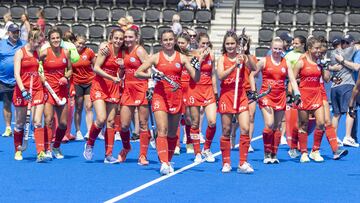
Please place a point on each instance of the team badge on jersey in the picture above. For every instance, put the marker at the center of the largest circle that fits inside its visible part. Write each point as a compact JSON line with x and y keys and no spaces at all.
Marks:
{"x":209,"y":62}
{"x":64,"y":60}
{"x":283,"y":70}
{"x":177,"y":65}
{"x":84,"y":57}
{"x":132,"y":59}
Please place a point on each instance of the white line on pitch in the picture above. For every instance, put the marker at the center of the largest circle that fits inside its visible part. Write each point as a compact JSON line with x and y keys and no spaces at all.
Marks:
{"x":157,"y":180}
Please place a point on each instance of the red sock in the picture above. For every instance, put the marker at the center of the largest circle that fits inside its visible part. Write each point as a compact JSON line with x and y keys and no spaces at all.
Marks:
{"x":294,"y":138}
{"x":162,"y":149}
{"x":303,"y":141}
{"x":39,"y":139}
{"x":117,"y":125}
{"x":188,"y":137}
{"x":194,"y":133}
{"x":225,"y":149}
{"x":109,"y":141}
{"x":60,"y":133}
{"x":48,"y":135}
{"x":331,"y":137}
{"x":93,"y":133}
{"x":244,"y":148}
{"x":210,"y":133}
{"x":125,"y":138}
{"x":318,"y":134}
{"x":276,"y":143}
{"x":18,"y":138}
{"x":178,"y":136}
{"x":268,"y":135}
{"x":144,"y":142}
{"x":70,"y":116}
{"x":171,"y":146}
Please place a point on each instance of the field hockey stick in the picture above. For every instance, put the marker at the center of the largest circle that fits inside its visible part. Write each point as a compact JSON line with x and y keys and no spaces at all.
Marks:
{"x":28,"y":119}
{"x":59,"y":101}
{"x":263,"y":94}
{"x":169,"y":80}
{"x":149,"y":95}
{"x":238,"y":68}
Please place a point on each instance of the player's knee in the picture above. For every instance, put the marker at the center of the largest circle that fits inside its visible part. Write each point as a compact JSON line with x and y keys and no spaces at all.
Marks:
{"x":244,"y":130}
{"x":110,"y":123}
{"x":100,"y":121}
{"x":19,"y":127}
{"x":212,"y":123}
{"x":226,"y":131}
{"x":143,"y":125}
{"x":88,"y":106}
{"x":62,"y":125}
{"x":162,"y":130}
{"x":37,"y":123}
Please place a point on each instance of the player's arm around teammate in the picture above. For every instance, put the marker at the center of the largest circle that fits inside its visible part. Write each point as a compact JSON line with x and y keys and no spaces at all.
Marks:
{"x":311,"y":100}
{"x":226,"y":70}
{"x":202,"y":94}
{"x":166,"y":101}
{"x":134,"y":96}
{"x":105,"y":93}
{"x":57,"y":71}
{"x":275,"y":69}
{"x":26,"y":72}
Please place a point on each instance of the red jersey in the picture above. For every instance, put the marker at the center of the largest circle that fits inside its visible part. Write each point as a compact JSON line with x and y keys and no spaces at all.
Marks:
{"x":275,"y":76}
{"x":164,"y":98}
{"x":103,"y":88}
{"x":309,"y":87}
{"x":54,"y":67}
{"x":246,"y":83}
{"x":229,"y":82}
{"x":82,"y":70}
{"x":134,"y":90}
{"x":205,"y":72}
{"x":30,"y":66}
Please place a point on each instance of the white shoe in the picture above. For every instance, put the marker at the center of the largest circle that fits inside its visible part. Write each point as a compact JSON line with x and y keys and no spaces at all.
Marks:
{"x":315,"y":155}
{"x":117,"y":136}
{"x":57,"y":153}
{"x":48,"y":155}
{"x":164,"y":169}
{"x":208,"y":156}
{"x":110,"y":160}
{"x":79,"y":136}
{"x":349,"y":141}
{"x":177,"y":150}
{"x":101,"y":135}
{"x":202,"y":140}
{"x":267,"y":158}
{"x":226,"y":168}
{"x":339,"y":142}
{"x":251,"y":149}
{"x":293,"y":153}
{"x":189,"y":149}
{"x":274,"y":159}
{"x":245,"y":168}
{"x":304,"y":158}
{"x":88,"y":152}
{"x":198,"y":158}
{"x":283,"y":140}
{"x":86,"y":137}
{"x":171,"y":168}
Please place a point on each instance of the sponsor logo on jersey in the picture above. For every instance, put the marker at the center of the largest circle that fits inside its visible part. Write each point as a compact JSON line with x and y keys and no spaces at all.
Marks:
{"x":177,"y":65}
{"x":132,"y":59}
{"x":137,"y":101}
{"x":312,"y":79}
{"x":173,"y":109}
{"x":97,"y":94}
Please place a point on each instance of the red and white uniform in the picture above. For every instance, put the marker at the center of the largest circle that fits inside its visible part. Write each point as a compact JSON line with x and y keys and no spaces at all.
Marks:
{"x":134,"y":91}
{"x":29,"y":67}
{"x":54,"y":69}
{"x":227,"y":92}
{"x":164,"y":99}
{"x":185,"y":80}
{"x":103,"y":88}
{"x":309,"y":86}
{"x":202,"y":93}
{"x":82,"y":70}
{"x":275,"y":76}
{"x":246,"y":83}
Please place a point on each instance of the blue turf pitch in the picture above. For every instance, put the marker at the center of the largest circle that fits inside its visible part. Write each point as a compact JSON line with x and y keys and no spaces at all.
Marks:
{"x":75,"y":180}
